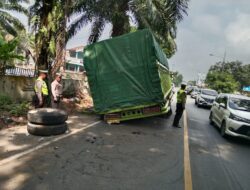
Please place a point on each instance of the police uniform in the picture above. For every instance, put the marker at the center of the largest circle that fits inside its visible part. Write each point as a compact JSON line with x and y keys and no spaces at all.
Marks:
{"x":180,"y":106}
{"x":42,"y":93}
{"x":56,"y":92}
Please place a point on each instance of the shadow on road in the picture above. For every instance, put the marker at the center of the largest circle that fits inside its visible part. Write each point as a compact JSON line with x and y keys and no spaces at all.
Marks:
{"x":139,"y":154}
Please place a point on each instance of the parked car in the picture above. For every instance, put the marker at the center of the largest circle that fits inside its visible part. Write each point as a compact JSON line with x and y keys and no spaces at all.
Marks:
{"x":195,"y":91}
{"x":205,"y":97}
{"x":231,"y":113}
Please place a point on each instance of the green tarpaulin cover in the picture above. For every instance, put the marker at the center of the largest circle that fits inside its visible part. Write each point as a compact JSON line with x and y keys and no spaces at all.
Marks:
{"x":123,"y":72}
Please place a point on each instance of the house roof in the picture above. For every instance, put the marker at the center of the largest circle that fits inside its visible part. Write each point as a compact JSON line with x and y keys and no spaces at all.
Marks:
{"x":78,"y":48}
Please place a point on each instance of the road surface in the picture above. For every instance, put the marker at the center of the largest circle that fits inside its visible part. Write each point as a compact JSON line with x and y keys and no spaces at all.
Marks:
{"x":146,"y":154}
{"x":216,"y":163}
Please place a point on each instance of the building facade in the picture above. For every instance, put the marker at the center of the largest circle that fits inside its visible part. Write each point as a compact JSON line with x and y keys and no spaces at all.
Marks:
{"x":74,"y":59}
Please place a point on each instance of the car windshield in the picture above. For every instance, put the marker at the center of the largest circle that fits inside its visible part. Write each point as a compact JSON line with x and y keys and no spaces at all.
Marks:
{"x":195,"y":89}
{"x":209,"y":92}
{"x":239,"y":104}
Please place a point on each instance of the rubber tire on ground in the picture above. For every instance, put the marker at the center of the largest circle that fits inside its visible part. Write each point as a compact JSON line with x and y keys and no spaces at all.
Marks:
{"x":46,"y":130}
{"x":47,"y":116}
{"x":223,"y":129}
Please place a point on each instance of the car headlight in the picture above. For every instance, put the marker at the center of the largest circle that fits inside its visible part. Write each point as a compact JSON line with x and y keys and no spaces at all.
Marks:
{"x":202,"y":99}
{"x":237,"y":118}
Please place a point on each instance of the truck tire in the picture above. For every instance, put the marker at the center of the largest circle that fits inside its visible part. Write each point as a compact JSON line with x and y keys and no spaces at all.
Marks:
{"x":47,"y":116}
{"x":46,"y":130}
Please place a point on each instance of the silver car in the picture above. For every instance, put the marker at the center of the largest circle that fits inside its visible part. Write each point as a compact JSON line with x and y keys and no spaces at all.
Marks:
{"x":205,"y":97}
{"x":231,"y":113}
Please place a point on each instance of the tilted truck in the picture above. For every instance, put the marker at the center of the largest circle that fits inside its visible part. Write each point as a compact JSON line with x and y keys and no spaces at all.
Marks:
{"x":129,"y":77}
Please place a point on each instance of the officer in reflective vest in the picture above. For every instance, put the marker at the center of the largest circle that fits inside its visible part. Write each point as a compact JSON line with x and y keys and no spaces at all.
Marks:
{"x":180,"y":106}
{"x":41,"y":90}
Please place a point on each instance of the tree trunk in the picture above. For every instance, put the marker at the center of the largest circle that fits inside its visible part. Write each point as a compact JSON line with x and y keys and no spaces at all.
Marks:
{"x":120,"y":20}
{"x":60,"y":48}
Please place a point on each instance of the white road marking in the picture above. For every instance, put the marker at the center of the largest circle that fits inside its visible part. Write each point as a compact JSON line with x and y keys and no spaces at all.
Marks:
{"x":24,"y":153}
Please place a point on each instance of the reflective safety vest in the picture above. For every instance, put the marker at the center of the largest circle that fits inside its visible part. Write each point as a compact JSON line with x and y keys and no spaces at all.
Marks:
{"x":45,"y":90}
{"x":181,"y":96}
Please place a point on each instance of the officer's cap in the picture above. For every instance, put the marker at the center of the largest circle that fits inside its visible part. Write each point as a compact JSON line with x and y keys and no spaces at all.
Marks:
{"x":43,"y":71}
{"x":58,"y":74}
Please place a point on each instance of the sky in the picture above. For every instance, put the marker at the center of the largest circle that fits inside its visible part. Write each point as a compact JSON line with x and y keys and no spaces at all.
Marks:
{"x":211,"y":27}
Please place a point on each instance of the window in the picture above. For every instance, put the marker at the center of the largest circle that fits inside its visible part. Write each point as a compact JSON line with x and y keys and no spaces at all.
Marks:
{"x":72,"y":54}
{"x":224,"y":100}
{"x":80,"y":55}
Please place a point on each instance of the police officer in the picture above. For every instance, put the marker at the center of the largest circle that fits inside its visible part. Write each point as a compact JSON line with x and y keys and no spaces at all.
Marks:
{"x":56,"y":91}
{"x":41,"y":90}
{"x":180,"y":106}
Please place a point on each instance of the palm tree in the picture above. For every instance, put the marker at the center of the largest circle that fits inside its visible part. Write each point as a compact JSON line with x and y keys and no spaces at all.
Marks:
{"x":45,"y":20}
{"x":48,"y":21}
{"x":8,"y":23}
{"x":161,"y":16}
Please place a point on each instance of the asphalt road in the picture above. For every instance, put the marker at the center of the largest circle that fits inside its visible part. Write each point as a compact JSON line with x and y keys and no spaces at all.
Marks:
{"x":143,"y":154}
{"x":216,"y":163}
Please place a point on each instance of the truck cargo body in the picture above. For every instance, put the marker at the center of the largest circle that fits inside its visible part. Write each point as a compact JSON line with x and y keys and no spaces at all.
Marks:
{"x":128,"y":76}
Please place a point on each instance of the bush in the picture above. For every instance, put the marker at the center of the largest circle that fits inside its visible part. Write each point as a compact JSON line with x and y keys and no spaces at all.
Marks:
{"x":4,"y":100}
{"x":7,"y":105}
{"x":19,"y":109}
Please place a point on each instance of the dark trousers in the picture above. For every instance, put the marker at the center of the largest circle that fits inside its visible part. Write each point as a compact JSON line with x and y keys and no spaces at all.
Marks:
{"x":55,"y":104}
{"x":35,"y":102}
{"x":178,"y":115}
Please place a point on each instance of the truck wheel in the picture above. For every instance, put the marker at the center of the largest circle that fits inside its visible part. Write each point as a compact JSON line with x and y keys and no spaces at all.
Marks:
{"x":46,"y":130}
{"x":47,"y":116}
{"x":198,"y":105}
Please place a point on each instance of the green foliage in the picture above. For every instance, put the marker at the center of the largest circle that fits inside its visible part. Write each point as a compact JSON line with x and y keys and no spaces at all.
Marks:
{"x":244,"y":77}
{"x":8,"y":23}
{"x":19,"y":109}
{"x":7,"y":50}
{"x":133,"y":29}
{"x":8,"y":54}
{"x":4,"y":100}
{"x":222,"y":82}
{"x":177,"y":78}
{"x":240,"y":72}
{"x":160,"y":16}
{"x":7,"y":105}
{"x":48,"y":20}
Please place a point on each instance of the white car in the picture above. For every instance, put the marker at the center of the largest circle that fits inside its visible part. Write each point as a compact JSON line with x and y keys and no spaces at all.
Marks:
{"x":205,"y":97}
{"x":194,"y":92}
{"x":231,"y":113}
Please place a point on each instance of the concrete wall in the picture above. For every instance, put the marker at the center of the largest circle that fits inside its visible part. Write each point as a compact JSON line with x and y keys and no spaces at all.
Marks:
{"x":17,"y":87}
{"x":21,"y":88}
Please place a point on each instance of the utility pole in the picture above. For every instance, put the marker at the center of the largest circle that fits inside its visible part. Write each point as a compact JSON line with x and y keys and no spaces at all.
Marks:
{"x":223,"y":59}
